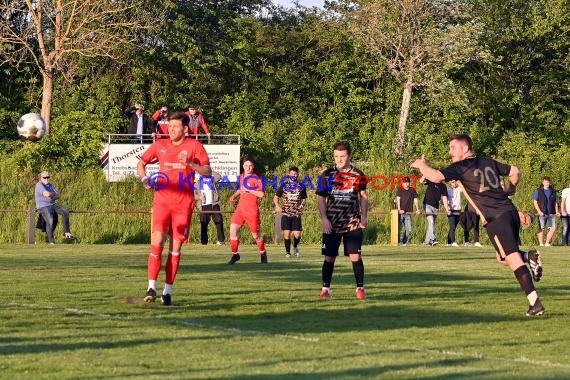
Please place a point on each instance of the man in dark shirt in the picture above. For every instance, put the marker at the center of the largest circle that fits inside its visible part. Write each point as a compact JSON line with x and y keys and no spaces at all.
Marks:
{"x":406,"y":199}
{"x":435,"y":193}
{"x":479,"y":179}
{"x":343,"y":207}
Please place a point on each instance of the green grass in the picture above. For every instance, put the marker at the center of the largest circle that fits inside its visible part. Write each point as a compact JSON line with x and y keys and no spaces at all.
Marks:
{"x":76,"y":311}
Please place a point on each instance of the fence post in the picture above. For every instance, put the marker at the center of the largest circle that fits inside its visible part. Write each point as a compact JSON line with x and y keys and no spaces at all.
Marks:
{"x":277,"y":228}
{"x":31,"y":226}
{"x":394,"y":228}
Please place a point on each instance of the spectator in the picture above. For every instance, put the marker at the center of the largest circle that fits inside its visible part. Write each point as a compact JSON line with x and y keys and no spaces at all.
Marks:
{"x":406,"y":200}
{"x":565,"y":212}
{"x":210,"y":207}
{"x":545,"y":202}
{"x":197,"y":121}
{"x":453,"y":212}
{"x":435,"y":193}
{"x":160,"y":118}
{"x":139,"y":123}
{"x":46,"y":196}
{"x":469,"y":220}
{"x":294,"y":198}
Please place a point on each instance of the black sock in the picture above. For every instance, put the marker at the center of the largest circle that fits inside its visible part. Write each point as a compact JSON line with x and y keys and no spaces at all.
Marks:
{"x":287,"y":245}
{"x":328,"y":268}
{"x":358,"y":268}
{"x":296,"y":241}
{"x":525,"y":280}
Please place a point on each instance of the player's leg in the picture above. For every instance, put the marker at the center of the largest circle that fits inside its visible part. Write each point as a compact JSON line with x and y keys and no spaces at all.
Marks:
{"x":331,"y":244}
{"x":237,"y":222}
{"x":253,"y":221}
{"x":181,"y":221}
{"x":565,"y":230}
{"x":503,"y":233}
{"x":297,"y":227}
{"x":286,"y":228}
{"x":352,"y":248}
{"x":160,"y":227}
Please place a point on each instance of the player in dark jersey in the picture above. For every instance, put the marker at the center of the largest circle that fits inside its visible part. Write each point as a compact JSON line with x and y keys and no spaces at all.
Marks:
{"x":294,"y":198}
{"x":343,"y":207}
{"x":479,"y":179}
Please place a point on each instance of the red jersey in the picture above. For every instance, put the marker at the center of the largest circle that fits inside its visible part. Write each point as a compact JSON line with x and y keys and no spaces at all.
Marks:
{"x":247,"y":201}
{"x":174,"y":186}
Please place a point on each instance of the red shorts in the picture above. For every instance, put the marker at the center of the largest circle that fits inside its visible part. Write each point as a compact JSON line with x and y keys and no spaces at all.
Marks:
{"x":173,"y":220}
{"x":250,"y":218}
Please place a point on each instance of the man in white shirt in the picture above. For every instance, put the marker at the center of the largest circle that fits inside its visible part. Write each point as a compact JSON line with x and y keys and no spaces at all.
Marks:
{"x":453,"y":212}
{"x":210,"y":208}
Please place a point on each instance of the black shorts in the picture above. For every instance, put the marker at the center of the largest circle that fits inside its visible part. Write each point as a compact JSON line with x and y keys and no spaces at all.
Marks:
{"x":291,"y":223}
{"x":352,"y":242}
{"x":503,"y":233}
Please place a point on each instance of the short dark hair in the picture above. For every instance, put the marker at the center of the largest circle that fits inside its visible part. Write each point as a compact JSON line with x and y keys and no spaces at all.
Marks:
{"x":343,"y":145}
{"x":465,"y":138}
{"x":179,"y":116}
{"x":248,"y":158}
{"x":294,"y":168}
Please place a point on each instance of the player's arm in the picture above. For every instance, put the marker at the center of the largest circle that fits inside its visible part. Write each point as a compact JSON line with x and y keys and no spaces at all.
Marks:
{"x":399,"y":206}
{"x":417,"y":205}
{"x":445,"y":202}
{"x":514,"y":177}
{"x":276,"y":203}
{"x":322,"y":205}
{"x":563,"y":206}
{"x":363,"y":200}
{"x":427,"y":171}
{"x":258,"y":193}
{"x":534,"y":201}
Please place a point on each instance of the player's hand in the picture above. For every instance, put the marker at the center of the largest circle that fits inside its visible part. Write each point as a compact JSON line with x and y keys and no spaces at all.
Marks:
{"x":401,"y":212}
{"x":278,"y":209}
{"x":418,"y":163}
{"x":363,"y":222}
{"x":327,"y":226}
{"x":418,"y":212}
{"x":183,"y":157}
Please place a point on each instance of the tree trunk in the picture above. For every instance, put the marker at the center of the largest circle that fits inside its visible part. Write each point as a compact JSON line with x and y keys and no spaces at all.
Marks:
{"x":47,"y":97}
{"x":406,"y":98}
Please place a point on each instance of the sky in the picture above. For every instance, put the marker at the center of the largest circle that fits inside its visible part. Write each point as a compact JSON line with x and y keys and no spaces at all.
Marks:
{"x":306,"y":3}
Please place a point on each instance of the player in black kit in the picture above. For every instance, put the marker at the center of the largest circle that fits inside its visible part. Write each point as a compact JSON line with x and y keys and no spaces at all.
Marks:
{"x":479,"y":179}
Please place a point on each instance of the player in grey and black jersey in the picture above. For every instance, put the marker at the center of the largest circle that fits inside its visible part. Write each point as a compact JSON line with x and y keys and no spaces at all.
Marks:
{"x":343,"y":207}
{"x":479,"y":179}
{"x":294,"y":197}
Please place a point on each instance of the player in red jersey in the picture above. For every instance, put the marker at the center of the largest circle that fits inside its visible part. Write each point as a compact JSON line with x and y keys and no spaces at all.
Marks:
{"x":250,"y":191}
{"x":179,"y":157}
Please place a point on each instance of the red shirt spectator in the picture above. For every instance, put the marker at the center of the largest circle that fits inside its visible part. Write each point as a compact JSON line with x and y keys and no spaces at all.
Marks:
{"x":196,"y":122}
{"x":160,"y":117}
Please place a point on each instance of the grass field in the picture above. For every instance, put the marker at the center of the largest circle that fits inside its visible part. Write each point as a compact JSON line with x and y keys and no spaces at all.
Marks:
{"x":76,"y":311}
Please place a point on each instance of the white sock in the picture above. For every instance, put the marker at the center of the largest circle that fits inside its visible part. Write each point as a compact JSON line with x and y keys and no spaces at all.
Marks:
{"x":152,"y":284}
{"x":532,"y":297}
{"x":167,"y":289}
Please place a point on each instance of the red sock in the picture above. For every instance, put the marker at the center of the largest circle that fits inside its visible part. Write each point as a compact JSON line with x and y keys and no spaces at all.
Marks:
{"x":261,"y":245}
{"x":172,"y":264}
{"x":234,"y":244}
{"x":154,"y":262}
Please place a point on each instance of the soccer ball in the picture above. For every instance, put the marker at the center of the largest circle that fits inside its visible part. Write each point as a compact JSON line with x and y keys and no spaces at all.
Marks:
{"x":31,"y":127}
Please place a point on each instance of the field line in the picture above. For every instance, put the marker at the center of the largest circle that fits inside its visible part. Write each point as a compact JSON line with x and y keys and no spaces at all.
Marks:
{"x":237,"y":331}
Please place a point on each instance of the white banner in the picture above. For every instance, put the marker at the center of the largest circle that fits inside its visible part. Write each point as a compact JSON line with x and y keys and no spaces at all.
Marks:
{"x":119,"y":161}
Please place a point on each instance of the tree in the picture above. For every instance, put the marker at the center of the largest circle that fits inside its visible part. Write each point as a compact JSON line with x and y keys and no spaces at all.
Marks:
{"x":52,"y":34}
{"x":418,"y":40}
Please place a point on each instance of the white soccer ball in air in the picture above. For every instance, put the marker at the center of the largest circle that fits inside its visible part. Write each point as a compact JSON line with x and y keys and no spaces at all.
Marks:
{"x":31,"y":127}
